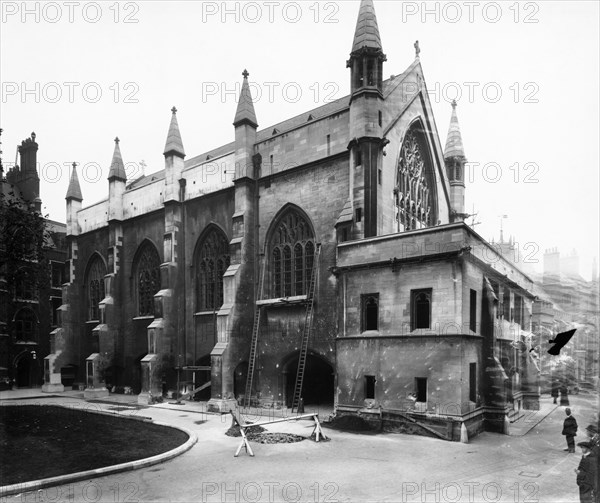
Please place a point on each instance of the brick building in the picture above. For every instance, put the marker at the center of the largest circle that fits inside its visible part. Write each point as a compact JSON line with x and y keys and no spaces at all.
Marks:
{"x":28,"y":304}
{"x":324,"y":257}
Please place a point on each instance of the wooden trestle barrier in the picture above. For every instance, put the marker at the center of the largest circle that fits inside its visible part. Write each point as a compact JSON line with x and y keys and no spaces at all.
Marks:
{"x":317,"y":431}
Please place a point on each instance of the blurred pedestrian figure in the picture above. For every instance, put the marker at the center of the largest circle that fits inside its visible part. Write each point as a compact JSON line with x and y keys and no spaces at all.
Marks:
{"x":586,"y":474}
{"x":564,"y":396}
{"x":555,"y":387}
{"x":592,"y":432}
{"x":570,"y":430}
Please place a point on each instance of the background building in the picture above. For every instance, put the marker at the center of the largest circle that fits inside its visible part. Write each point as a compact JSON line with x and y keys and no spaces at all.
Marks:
{"x":32,"y":254}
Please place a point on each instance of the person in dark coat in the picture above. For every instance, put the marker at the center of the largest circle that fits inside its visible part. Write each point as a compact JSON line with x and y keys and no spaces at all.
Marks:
{"x":564,"y":396}
{"x":554,"y":391}
{"x":570,"y":430}
{"x":594,"y":439}
{"x":587,"y":474}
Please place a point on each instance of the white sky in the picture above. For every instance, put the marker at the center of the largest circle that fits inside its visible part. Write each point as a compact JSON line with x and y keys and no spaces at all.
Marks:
{"x":546,"y":119}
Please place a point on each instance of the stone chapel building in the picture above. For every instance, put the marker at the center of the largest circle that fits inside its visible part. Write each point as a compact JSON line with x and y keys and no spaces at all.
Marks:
{"x":325,"y":257}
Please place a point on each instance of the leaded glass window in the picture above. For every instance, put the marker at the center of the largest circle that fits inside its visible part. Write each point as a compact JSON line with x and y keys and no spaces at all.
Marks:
{"x":292,"y":251}
{"x":212,"y":261}
{"x":148,"y":279}
{"x":95,"y":286}
{"x":413,"y":195}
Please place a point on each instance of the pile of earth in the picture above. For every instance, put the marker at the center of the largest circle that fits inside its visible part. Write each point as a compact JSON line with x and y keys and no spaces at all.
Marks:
{"x":349,"y":423}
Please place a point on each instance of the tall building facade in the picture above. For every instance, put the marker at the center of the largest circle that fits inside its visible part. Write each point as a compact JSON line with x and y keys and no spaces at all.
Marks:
{"x":30,"y":247}
{"x":325,"y":257}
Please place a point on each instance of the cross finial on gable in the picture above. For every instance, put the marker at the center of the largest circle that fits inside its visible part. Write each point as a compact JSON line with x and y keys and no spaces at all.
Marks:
{"x":245,"y":74}
{"x":174,"y":110}
{"x":417,"y":48}
{"x":117,"y":139}
{"x":453,"y":103}
{"x":74,"y":165}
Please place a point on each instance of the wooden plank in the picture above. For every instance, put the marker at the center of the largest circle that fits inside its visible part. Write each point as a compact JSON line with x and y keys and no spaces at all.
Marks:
{"x":282,"y":420}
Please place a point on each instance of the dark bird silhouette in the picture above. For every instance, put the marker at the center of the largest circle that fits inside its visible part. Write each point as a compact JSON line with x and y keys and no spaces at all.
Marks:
{"x":560,"y":341}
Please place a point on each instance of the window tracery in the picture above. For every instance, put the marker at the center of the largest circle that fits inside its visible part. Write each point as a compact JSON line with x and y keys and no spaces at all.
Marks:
{"x":212,"y":261}
{"x":292,"y":251}
{"x":148,"y":279}
{"x":413,"y":191}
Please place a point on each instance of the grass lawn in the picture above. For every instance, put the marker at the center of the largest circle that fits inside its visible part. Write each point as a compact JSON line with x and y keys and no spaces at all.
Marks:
{"x":39,"y":441}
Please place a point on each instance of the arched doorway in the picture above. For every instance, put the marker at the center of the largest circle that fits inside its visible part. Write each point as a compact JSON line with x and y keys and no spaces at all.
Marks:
{"x":23,"y":370}
{"x":318,"y":385}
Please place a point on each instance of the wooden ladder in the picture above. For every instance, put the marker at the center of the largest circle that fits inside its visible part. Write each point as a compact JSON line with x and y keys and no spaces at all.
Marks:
{"x":254,"y":342}
{"x":308,"y":318}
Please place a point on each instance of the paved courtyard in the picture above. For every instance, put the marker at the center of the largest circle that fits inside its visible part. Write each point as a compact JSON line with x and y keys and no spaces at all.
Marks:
{"x":526,"y":467}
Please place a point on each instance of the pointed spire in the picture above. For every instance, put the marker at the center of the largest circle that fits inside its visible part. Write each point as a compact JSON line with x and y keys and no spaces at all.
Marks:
{"x":174,"y":144}
{"x":454,"y":144}
{"x":74,"y":190}
{"x":117,"y":168}
{"x":367,"y":31}
{"x":245,"y":109}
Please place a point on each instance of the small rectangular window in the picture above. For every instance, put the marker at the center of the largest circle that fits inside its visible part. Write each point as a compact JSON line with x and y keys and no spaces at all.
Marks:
{"x":380,"y":118}
{"x":473,"y":382}
{"x":328,"y":145}
{"x":56,"y":303}
{"x":379,"y":175}
{"x":358,"y":214}
{"x":473,"y":311}
{"x":344,"y":234}
{"x":369,"y":312}
{"x":57,"y":270}
{"x":421,"y":389}
{"x":506,"y":303}
{"x":420,"y":308}
{"x":369,"y":387}
{"x":357,"y":156}
{"x":271,"y":162}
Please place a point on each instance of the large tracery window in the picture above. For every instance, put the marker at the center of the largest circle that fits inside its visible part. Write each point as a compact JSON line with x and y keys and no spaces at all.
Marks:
{"x":95,"y":286}
{"x":414,"y":209}
{"x":148,"y":279}
{"x":212,"y":261}
{"x":292,"y":252}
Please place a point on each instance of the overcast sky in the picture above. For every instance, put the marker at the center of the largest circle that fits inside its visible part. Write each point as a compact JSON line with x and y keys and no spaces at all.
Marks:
{"x":81,"y":73}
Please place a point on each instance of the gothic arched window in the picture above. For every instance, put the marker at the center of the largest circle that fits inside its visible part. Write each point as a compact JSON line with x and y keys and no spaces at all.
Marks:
{"x":292,"y":251}
{"x":212,"y":260}
{"x":94,"y":285}
{"x":147,"y":275}
{"x":413,"y":192}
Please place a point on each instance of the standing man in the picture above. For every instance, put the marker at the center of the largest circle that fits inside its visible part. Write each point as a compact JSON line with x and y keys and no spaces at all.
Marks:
{"x":586,"y":474}
{"x":570,"y":430}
